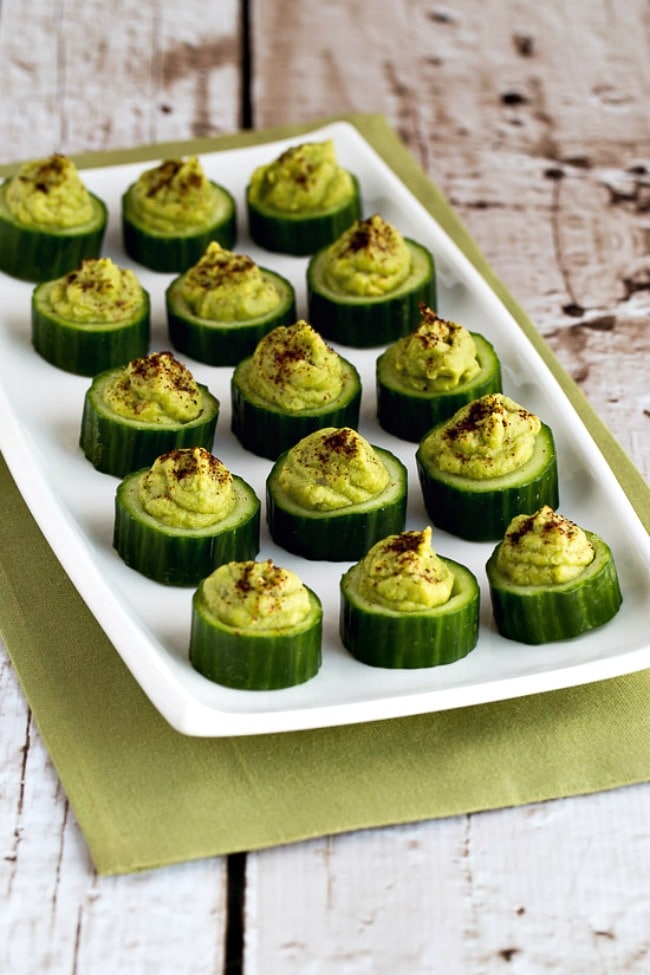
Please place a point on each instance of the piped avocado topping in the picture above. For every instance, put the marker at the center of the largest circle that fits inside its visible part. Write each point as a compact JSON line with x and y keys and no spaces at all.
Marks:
{"x":49,"y":193}
{"x":256,"y":596}
{"x":437,"y":355}
{"x":96,"y":291}
{"x":188,"y":488}
{"x":332,"y":468}
{"x":403,"y":573}
{"x":224,"y":286}
{"x":488,"y":437}
{"x":371,"y":258}
{"x":155,"y":389}
{"x":175,"y":195}
{"x":543,"y":549}
{"x":304,"y":178}
{"x":295,"y":369}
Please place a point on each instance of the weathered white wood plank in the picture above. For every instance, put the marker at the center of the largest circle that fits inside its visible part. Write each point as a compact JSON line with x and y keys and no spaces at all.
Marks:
{"x":93,"y":76}
{"x":551,"y":887}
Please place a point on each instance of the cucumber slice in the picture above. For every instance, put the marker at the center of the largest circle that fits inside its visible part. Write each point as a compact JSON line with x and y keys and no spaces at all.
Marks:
{"x":37,"y":255}
{"x":225,"y":343}
{"x":361,"y":321}
{"x":541,"y":614}
{"x":119,"y":445}
{"x":300,"y":234}
{"x":181,"y":556}
{"x":385,"y":638}
{"x":87,"y":348}
{"x":250,"y":660}
{"x":175,"y":252}
{"x":341,"y":535}
{"x":267,"y":431}
{"x":481,"y":510}
{"x":409,"y":414}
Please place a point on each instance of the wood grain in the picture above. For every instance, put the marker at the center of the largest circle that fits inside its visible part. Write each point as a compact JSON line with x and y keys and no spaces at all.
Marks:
{"x":533,"y":119}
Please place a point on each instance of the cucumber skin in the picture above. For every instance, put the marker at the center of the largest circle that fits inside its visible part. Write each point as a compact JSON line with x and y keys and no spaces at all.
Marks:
{"x":301,"y":234}
{"x":116,"y":446}
{"x":484,"y":514}
{"x":368,"y":323}
{"x":88,"y":350}
{"x":380,"y":638}
{"x":268,"y":432}
{"x":180,"y":558}
{"x":39,"y":255}
{"x":222,"y":344}
{"x":175,"y":254}
{"x":410,"y":416}
{"x":257,"y":662}
{"x":335,"y":536}
{"x":535,"y":615}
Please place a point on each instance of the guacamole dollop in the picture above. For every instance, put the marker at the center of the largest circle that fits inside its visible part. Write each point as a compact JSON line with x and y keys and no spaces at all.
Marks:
{"x":95,"y":292}
{"x":332,"y":468}
{"x":293,"y":368}
{"x":488,"y":437}
{"x":155,"y":389}
{"x":256,"y":596}
{"x":543,"y":549}
{"x":438,"y":355}
{"x":369,"y":259}
{"x":188,"y":488}
{"x":227,"y":287}
{"x":49,"y":193}
{"x":403,"y":573}
{"x":175,"y":196}
{"x":303,"y":179}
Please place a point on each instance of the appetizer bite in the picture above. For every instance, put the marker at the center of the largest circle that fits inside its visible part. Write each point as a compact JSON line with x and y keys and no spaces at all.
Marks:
{"x":256,"y":626}
{"x":333,"y":495}
{"x":302,"y":200}
{"x":490,"y":461}
{"x":172,"y":212}
{"x":550,"y":579}
{"x":49,"y":221}
{"x":424,"y":377}
{"x":219,"y":309}
{"x":94,"y":317}
{"x":134,"y":413}
{"x":404,"y":606}
{"x":365,"y":289}
{"x":293,"y":384}
{"x":181,"y":518}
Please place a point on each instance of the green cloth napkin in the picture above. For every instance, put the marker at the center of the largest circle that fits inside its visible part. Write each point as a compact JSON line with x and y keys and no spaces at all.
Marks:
{"x":146,"y":796}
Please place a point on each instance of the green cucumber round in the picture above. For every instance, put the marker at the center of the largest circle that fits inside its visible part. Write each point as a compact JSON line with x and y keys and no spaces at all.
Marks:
{"x":300,"y":234}
{"x":255,"y":660}
{"x":481,"y":510}
{"x":87,"y":348}
{"x":34,"y":254}
{"x":410,"y":414}
{"x":225,"y":343}
{"x":341,"y":535}
{"x":267,"y":431}
{"x":119,"y":445}
{"x":542,"y":614}
{"x":182,"y":556}
{"x":176,"y":252}
{"x":364,"y":322}
{"x":382,"y":637}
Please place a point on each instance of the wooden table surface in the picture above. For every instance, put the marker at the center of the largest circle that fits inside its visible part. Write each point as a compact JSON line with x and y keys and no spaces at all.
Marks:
{"x":535,"y":121}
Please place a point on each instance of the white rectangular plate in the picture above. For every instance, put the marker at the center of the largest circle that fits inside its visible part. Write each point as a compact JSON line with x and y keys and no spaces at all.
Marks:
{"x":40,"y":412}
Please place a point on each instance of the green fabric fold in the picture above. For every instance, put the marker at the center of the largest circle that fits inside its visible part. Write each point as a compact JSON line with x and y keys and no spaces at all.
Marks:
{"x":146,"y":796}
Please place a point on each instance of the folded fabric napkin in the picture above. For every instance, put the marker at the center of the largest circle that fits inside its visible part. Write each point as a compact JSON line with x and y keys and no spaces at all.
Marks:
{"x":145,"y":795}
